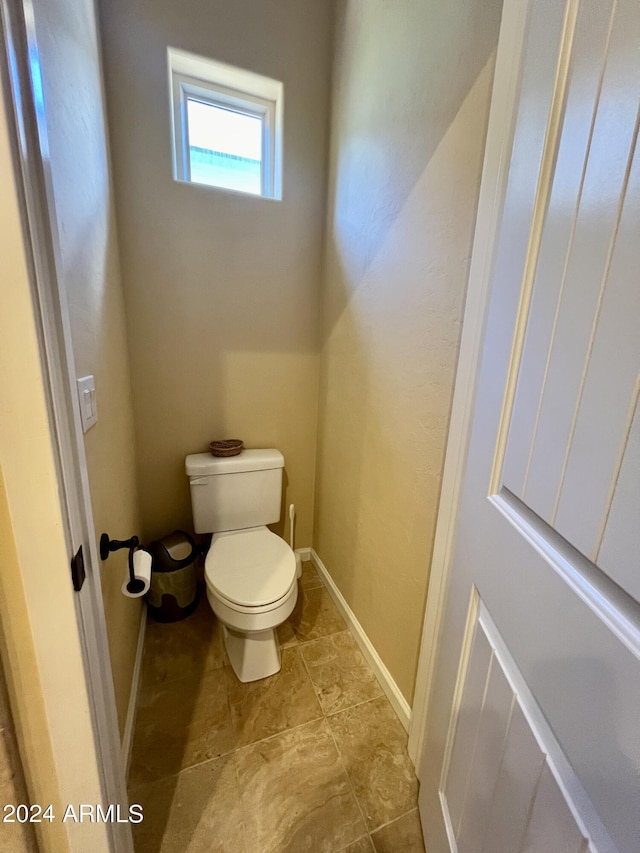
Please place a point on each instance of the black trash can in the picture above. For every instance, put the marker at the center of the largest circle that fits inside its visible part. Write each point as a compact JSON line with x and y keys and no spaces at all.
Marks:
{"x":173,"y":593}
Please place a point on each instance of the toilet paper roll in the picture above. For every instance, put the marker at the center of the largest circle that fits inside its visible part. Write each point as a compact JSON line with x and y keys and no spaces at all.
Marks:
{"x":142,"y":572}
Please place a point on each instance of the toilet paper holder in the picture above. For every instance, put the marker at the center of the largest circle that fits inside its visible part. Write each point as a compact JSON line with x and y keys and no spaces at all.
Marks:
{"x":108,"y":546}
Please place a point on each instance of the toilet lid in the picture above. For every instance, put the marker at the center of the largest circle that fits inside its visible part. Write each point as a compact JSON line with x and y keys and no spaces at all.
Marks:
{"x":250,"y":567}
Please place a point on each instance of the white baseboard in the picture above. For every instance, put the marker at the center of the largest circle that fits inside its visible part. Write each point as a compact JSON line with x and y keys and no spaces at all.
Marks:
{"x":305,"y":554}
{"x":391,"y":689}
{"x":127,"y":736}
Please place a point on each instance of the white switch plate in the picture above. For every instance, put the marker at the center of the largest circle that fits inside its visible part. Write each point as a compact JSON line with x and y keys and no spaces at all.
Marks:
{"x":88,"y":402}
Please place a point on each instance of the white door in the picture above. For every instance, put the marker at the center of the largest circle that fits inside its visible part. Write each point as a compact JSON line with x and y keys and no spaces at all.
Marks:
{"x":23,"y":29}
{"x":533,"y":731}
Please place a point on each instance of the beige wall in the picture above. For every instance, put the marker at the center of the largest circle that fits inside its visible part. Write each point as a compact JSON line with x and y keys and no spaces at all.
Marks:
{"x":221,"y":289}
{"x":15,"y":837}
{"x":81,"y":181}
{"x":411,"y":89}
{"x":21,"y":671}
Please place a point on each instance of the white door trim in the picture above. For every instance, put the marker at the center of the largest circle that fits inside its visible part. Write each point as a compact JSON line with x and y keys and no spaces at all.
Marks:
{"x":504,"y":102}
{"x":29,"y":143}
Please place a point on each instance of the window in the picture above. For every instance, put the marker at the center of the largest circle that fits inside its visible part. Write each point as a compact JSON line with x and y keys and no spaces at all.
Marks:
{"x":227,"y":126}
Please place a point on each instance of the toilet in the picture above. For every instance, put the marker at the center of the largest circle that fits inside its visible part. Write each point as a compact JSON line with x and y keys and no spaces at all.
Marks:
{"x":250,"y":572}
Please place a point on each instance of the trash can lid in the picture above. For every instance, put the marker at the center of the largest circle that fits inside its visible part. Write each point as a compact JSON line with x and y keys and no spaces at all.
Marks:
{"x":173,"y":551}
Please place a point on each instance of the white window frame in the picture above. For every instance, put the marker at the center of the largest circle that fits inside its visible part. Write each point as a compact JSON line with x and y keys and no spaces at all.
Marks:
{"x":225,"y":86}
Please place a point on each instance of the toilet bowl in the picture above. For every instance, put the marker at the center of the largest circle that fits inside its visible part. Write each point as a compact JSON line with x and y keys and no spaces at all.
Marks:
{"x":250,"y":572}
{"x":252,"y":588}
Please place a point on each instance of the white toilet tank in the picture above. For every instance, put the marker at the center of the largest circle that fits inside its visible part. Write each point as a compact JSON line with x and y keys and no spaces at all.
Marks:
{"x":235,"y":492}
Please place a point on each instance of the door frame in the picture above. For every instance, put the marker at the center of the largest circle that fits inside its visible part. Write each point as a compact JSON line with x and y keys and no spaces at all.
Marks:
{"x":26,"y":124}
{"x":502,"y":117}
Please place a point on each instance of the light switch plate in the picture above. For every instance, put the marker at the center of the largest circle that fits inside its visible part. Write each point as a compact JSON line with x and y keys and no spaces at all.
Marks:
{"x":88,"y":402}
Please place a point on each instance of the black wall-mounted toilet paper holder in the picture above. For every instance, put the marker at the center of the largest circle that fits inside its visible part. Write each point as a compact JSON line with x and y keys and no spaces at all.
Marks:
{"x":107,"y":546}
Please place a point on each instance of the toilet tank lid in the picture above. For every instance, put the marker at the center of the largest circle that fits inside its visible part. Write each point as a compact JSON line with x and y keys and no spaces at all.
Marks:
{"x":205,"y":464}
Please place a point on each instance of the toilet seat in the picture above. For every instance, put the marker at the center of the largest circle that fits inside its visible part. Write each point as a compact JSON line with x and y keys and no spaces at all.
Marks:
{"x":251,"y":570}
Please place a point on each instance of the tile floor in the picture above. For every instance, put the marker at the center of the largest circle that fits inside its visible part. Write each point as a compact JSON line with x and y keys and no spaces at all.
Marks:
{"x":311,"y":760}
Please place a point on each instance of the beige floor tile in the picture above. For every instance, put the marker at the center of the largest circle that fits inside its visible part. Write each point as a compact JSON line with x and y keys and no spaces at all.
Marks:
{"x":362,"y":845}
{"x":181,"y":723}
{"x":177,"y":649}
{"x":296,"y":795}
{"x":310,"y":578}
{"x":286,"y":635}
{"x":403,"y":834}
{"x":260,"y":709}
{"x":339,"y":673}
{"x":373,"y":746}
{"x":198,"y":810}
{"x":315,"y":615}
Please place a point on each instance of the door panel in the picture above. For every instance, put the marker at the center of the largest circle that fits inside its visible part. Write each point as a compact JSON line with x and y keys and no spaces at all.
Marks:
{"x":455,"y":779}
{"x":515,"y":787}
{"x":608,"y":394}
{"x":546,"y":532}
{"x":552,"y":826}
{"x":493,"y":725}
{"x":505,"y":796}
{"x":619,"y":554}
{"x":578,"y":369}
{"x":583,"y":90}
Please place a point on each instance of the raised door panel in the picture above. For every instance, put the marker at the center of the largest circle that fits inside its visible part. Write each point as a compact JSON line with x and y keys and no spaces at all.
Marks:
{"x":515,"y":788}
{"x":608,"y":396}
{"x":498,"y":785}
{"x":591,"y":37}
{"x":552,"y":826}
{"x":472,"y":701}
{"x":620,"y":551}
{"x":578,"y":367}
{"x":493,"y":726}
